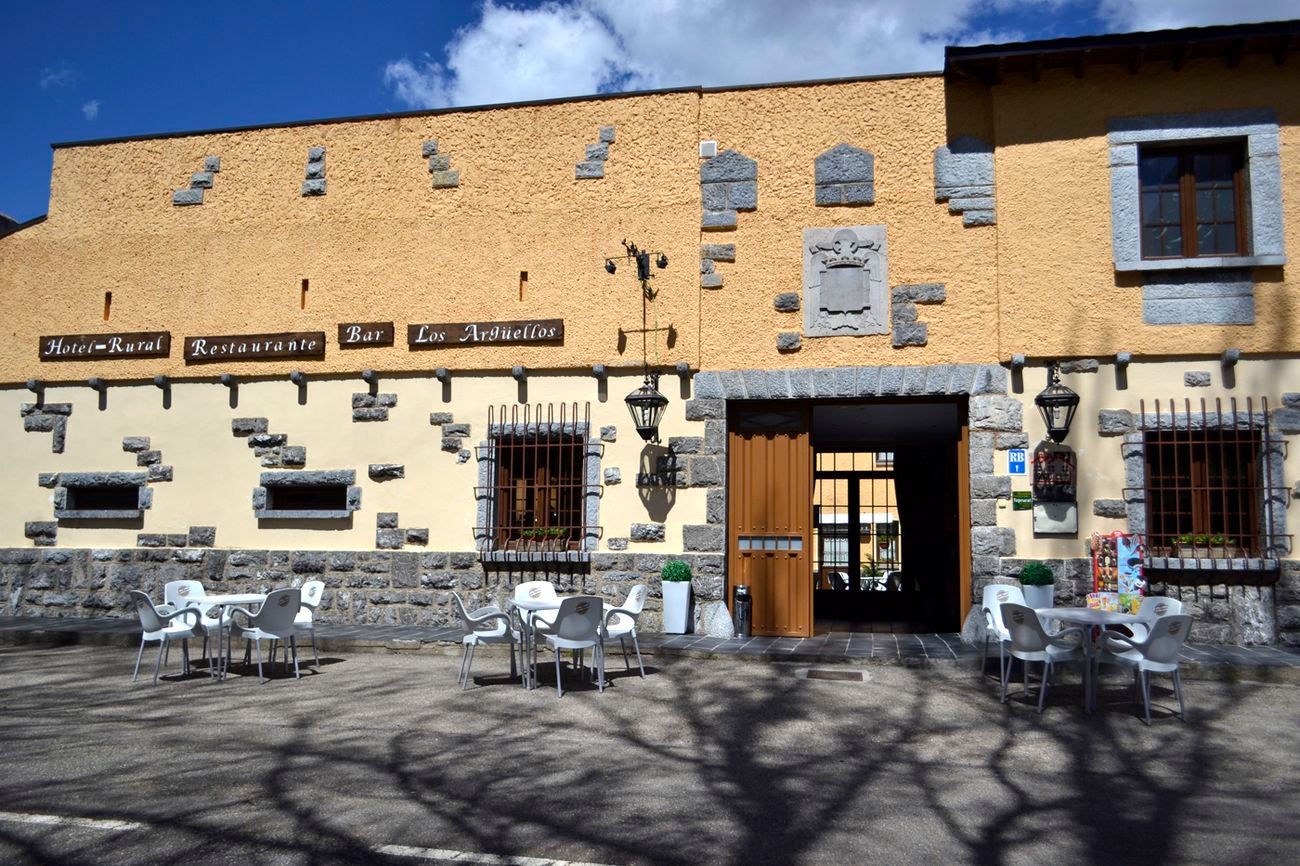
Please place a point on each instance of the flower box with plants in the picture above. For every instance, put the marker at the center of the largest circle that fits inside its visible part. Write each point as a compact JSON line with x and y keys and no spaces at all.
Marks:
{"x":1197,"y":545}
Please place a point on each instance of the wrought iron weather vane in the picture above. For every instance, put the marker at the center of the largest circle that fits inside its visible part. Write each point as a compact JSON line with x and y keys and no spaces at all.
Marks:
{"x":645,"y":404}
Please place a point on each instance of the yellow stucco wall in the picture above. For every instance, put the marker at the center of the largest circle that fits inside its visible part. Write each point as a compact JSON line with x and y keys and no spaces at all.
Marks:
{"x":214,"y":472}
{"x":1059,"y":294}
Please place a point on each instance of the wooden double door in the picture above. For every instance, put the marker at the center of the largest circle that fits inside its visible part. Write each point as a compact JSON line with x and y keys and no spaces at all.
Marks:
{"x":769,"y":515}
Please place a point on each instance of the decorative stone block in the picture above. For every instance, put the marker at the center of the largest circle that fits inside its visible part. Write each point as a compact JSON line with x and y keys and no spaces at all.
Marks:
{"x":148,"y":458}
{"x":910,"y":334}
{"x":598,"y":152}
{"x":417,"y":536}
{"x":293,"y":455}
{"x":609,"y":433}
{"x":439,"y":162}
{"x":386,"y":471}
{"x":992,"y":412}
{"x":1115,"y":422}
{"x":389,"y":539}
{"x":150,"y":539}
{"x":201,"y":180}
{"x":710,"y":281}
{"x":1211,"y":297}
{"x":1109,"y":508}
{"x":707,"y":537}
{"x":455,"y":430}
{"x":1286,"y":421}
{"x":248,"y":426}
{"x":590,"y":170}
{"x":377,"y":414}
{"x":607,"y":134}
{"x":718,"y":252}
{"x":725,"y":219}
{"x":613,"y":476}
{"x":183,"y":197}
{"x":1082,"y":365}
{"x":135,"y":444}
{"x":1198,"y":379}
{"x":844,"y":175}
{"x":449,"y":444}
{"x":463,"y":455}
{"x":386,"y":520}
{"x":47,"y":479}
{"x":446,"y":179}
{"x":212,"y":164}
{"x":963,"y":177}
{"x":159,"y":473}
{"x":202,"y":536}
{"x":313,"y":186}
{"x":439,"y":418}
{"x":429,"y":148}
{"x":919,"y":293}
{"x":267,"y":440}
{"x":1291,"y":400}
{"x":786,"y":302}
{"x":788,"y":341}
{"x":616,"y":543}
{"x":43,"y":533}
{"x":647,"y":532}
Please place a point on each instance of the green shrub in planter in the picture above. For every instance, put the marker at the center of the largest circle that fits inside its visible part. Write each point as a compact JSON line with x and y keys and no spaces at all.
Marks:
{"x":675,"y":571}
{"x":1036,"y":574}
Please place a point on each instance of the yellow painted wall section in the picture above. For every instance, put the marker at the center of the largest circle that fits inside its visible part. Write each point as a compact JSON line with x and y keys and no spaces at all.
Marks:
{"x":901,"y":122}
{"x":214,"y":472}
{"x":1101,"y":467}
{"x":1058,"y":289}
{"x":381,"y":245}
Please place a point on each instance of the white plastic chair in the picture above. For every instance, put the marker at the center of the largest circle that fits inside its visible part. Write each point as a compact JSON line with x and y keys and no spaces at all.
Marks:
{"x":1152,"y":608}
{"x":996,"y":595}
{"x":274,"y":622}
{"x":535,"y":590}
{"x":158,"y":625}
{"x":1030,"y":642}
{"x":483,"y":626}
{"x":304,"y":620}
{"x":620,"y":622}
{"x":1158,"y":653}
{"x":577,"y":627}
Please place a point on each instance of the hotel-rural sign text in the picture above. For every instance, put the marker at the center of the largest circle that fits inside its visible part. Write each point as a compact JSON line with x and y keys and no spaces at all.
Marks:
{"x":84,"y":347}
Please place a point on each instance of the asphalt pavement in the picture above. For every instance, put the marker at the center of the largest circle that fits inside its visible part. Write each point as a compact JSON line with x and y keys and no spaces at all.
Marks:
{"x":379,"y":758}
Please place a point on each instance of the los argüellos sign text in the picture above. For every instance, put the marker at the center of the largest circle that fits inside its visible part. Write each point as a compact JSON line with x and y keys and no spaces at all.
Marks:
{"x":434,"y":335}
{"x":84,"y":347}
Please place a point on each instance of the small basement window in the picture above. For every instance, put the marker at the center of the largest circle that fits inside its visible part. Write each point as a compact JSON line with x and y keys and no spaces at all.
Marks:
{"x":307,"y":497}
{"x":101,"y":496}
{"x":313,"y":495}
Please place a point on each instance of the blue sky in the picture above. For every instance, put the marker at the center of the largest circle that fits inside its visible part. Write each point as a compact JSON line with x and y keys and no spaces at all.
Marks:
{"x":79,"y":70}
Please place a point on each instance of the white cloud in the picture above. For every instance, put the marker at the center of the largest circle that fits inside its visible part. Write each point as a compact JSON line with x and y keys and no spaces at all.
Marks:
{"x":56,"y":76}
{"x":90,"y":109}
{"x":1148,"y":15}
{"x":575,"y":47}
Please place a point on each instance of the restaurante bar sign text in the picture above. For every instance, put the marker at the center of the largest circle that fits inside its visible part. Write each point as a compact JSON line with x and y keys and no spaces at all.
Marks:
{"x":429,"y":336}
{"x":82,"y":347}
{"x":255,"y":347}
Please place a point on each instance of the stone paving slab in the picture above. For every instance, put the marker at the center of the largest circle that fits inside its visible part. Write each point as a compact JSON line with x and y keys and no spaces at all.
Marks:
{"x":841,"y":647}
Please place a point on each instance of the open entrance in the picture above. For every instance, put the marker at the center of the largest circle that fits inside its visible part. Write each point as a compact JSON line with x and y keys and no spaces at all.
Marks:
{"x":889,"y":537}
{"x":850,"y":516}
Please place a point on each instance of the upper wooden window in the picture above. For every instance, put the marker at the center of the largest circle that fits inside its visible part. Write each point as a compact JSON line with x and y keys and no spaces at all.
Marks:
{"x":1192,"y":201}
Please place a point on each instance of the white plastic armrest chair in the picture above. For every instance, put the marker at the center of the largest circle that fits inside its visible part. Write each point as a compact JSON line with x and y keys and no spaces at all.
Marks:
{"x":1030,"y":642}
{"x":1152,"y":608}
{"x":160,"y":626}
{"x":620,"y":622}
{"x":1158,"y":653}
{"x":305,"y":619}
{"x":484,"y":626}
{"x":996,"y":595}
{"x":577,"y":627}
{"x":273,"y":621}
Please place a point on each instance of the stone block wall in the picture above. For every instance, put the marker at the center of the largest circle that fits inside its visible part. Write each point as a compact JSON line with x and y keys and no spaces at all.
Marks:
{"x":361,"y":587}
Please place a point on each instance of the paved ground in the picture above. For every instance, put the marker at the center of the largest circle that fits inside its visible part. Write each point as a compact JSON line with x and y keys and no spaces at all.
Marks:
{"x":377,"y":758}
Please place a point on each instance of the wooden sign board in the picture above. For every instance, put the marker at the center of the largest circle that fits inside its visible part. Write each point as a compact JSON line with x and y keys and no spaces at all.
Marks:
{"x":435,"y":335}
{"x":86,"y":347}
{"x":256,"y":347}
{"x":356,"y":335}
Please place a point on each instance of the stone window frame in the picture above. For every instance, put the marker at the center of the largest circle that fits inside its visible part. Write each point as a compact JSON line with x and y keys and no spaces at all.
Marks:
{"x":1257,"y":128}
{"x":1273,"y":508}
{"x":67,"y":480}
{"x":299,"y":478}
{"x":593,"y":488}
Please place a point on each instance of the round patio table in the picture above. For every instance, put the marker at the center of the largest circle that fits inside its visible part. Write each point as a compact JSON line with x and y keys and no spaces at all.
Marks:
{"x":1093,"y":621}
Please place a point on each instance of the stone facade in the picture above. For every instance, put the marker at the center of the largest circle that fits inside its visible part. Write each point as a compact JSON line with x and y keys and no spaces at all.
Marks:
{"x":368,"y":587}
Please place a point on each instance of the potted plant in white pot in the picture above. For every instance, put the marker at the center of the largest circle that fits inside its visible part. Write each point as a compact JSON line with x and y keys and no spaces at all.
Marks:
{"x":676,"y":578}
{"x":1038,"y":583}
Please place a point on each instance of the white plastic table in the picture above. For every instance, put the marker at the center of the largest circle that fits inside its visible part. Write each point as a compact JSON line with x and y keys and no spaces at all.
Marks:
{"x":528,"y":607}
{"x":222,"y":601}
{"x":1092,"y":620}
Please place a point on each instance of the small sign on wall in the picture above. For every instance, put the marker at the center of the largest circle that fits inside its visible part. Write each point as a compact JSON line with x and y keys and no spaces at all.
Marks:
{"x":355,"y":335}
{"x":433,"y":335}
{"x":256,"y":347}
{"x":85,"y":347}
{"x":1021,"y":500}
{"x":1016,"y":461}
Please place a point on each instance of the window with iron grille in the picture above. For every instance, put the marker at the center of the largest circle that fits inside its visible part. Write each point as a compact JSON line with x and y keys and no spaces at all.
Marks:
{"x":536,"y":493}
{"x":1208,"y":482}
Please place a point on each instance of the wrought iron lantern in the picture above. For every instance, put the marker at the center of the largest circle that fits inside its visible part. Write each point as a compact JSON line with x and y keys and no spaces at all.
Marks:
{"x":1056,"y":403}
{"x":647,"y":407}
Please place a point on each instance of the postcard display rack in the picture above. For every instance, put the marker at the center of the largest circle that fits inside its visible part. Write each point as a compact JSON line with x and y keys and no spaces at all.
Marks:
{"x":1117,"y":579}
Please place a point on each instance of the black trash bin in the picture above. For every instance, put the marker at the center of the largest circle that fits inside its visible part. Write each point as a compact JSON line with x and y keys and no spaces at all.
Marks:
{"x":741,"y":606}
